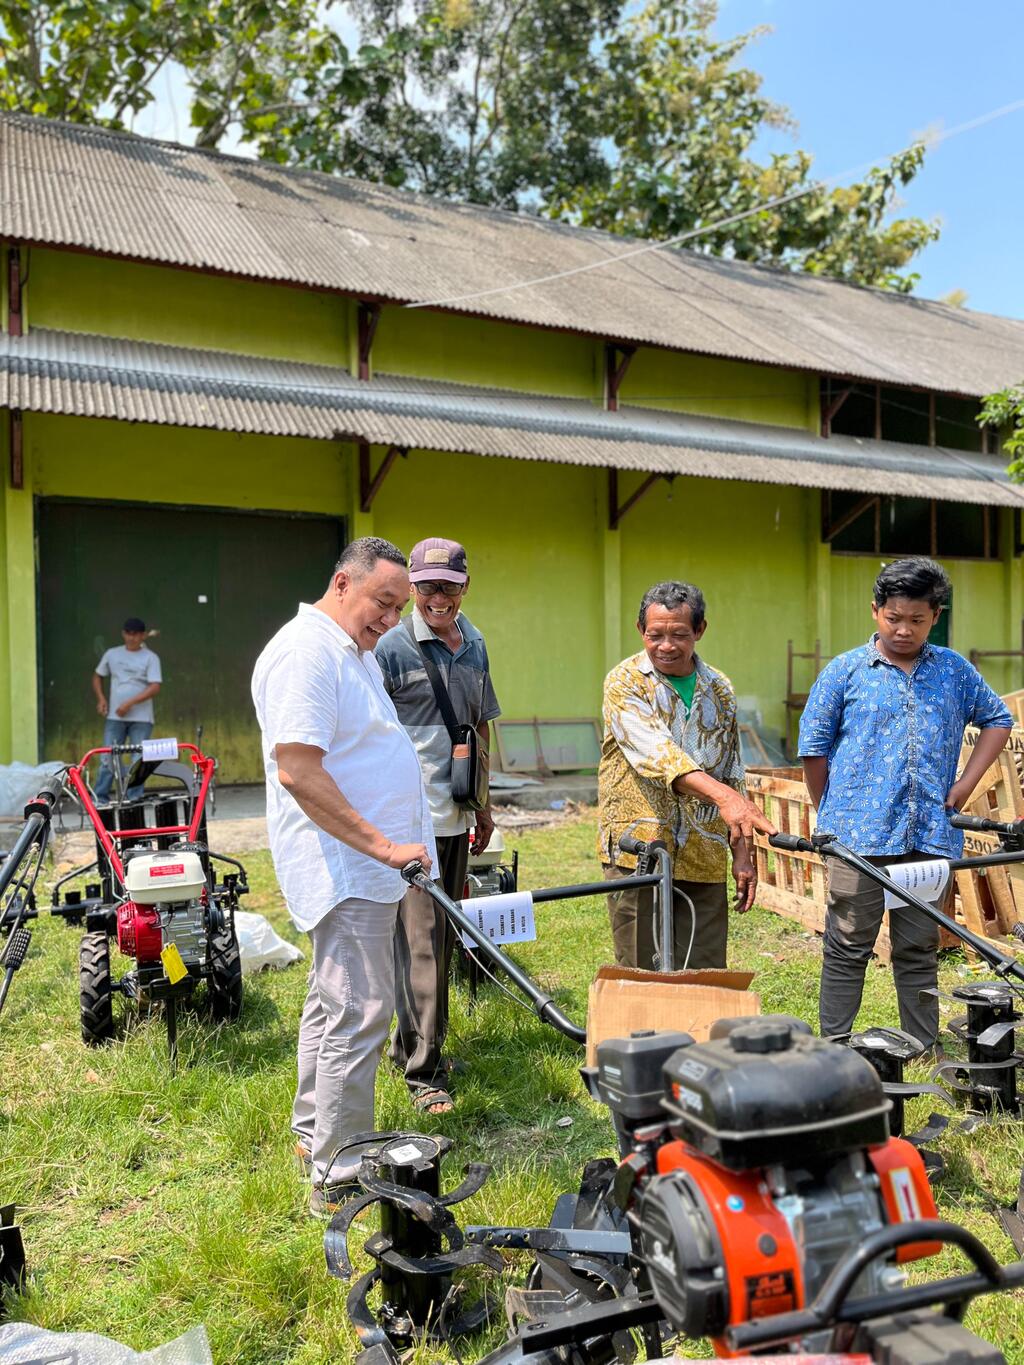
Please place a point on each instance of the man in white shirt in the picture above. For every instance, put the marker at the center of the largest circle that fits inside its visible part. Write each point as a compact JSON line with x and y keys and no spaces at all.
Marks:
{"x":346,"y":809}
{"x":135,"y":678}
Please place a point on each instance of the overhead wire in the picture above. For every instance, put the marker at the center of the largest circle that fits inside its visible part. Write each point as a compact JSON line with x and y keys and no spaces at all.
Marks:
{"x":716,"y":224}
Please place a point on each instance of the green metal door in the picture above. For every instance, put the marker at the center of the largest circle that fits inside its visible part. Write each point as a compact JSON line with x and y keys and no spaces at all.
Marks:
{"x":216,"y":583}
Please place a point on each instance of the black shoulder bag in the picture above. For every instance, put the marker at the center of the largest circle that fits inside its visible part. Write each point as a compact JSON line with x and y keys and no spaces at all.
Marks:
{"x":469,"y":773}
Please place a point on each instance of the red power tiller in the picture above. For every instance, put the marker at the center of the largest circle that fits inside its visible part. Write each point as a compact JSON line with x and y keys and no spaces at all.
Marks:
{"x":157,"y":894}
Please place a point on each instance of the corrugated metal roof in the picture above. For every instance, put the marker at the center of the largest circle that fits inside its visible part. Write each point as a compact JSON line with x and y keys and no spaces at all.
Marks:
{"x":61,"y":372}
{"x":68,"y":185}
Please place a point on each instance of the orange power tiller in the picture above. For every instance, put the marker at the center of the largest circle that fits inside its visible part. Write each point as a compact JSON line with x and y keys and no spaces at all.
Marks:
{"x":752,"y":1165}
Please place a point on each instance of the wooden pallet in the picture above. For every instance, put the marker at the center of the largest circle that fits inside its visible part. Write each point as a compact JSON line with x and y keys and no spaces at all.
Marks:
{"x":795,"y":885}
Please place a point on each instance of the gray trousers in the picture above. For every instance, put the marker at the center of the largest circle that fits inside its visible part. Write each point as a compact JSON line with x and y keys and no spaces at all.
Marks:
{"x":854,"y":915}
{"x":344,"y":1027}
{"x":632,"y":919}
{"x":424,"y":941}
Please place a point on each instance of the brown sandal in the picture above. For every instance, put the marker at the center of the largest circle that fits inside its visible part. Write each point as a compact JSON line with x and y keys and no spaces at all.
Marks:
{"x":433,"y":1100}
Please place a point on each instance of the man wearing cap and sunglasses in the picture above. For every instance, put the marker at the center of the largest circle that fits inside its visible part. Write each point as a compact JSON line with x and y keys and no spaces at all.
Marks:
{"x":135,"y":678}
{"x":433,"y":648}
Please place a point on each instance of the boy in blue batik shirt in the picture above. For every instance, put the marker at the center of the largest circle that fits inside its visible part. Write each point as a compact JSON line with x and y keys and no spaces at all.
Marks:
{"x":880,"y":739}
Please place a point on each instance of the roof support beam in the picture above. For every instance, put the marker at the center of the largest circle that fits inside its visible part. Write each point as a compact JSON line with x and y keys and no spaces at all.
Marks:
{"x":368,"y":316}
{"x":615,"y":512}
{"x":830,"y":405}
{"x":369,"y":486}
{"x":616,"y":363}
{"x":857,"y":510}
{"x":17,"y":450}
{"x":14,"y":322}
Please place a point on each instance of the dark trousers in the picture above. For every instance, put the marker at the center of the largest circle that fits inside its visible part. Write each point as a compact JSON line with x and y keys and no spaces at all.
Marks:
{"x":424,"y":940}
{"x":633,"y":932}
{"x":852,"y":920}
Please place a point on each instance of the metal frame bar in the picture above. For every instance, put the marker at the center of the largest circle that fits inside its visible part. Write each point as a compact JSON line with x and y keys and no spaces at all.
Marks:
{"x":17,"y":451}
{"x":14,"y":308}
{"x":369,"y":486}
{"x":615,"y":512}
{"x":616,"y":362}
{"x":830,"y":405}
{"x":848,"y":518}
{"x":367,"y":317}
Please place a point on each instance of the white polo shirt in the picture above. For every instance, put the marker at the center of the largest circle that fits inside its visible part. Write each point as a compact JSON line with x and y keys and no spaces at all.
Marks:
{"x":313,"y":685}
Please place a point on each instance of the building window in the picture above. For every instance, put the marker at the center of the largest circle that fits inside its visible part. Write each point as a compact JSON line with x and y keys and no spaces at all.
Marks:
{"x":907,"y":416}
{"x":873,"y":524}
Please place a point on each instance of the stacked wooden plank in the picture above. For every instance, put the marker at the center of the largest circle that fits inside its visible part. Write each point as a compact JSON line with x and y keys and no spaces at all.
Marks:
{"x":991,"y":900}
{"x":793,"y":885}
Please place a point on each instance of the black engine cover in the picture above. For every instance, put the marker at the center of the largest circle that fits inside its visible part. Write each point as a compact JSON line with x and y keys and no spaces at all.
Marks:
{"x":766,"y":1094}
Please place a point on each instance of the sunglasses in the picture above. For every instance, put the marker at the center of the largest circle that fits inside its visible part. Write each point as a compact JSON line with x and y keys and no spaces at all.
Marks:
{"x":449,"y":589}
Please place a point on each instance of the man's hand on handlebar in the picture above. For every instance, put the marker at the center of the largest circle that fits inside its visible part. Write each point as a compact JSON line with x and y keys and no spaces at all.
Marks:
{"x":743,"y":818}
{"x":398,"y":855}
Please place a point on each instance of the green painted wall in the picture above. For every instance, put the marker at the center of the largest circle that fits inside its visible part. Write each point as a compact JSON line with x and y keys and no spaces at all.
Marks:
{"x":743,"y":545}
{"x":476,"y":351}
{"x":722,"y":388}
{"x":83,"y":293}
{"x":979,"y":617}
{"x":532,"y":535}
{"x":83,"y":458}
{"x":80,"y":293}
{"x":18,"y":728}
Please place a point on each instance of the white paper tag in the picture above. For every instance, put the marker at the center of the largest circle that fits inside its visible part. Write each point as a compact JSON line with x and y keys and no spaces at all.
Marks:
{"x":503,"y":919}
{"x":403,"y":1155}
{"x":926,"y":879}
{"x":156,"y":750}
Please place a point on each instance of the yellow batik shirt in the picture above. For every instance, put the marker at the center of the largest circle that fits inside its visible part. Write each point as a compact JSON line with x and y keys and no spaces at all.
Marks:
{"x":649,"y":741}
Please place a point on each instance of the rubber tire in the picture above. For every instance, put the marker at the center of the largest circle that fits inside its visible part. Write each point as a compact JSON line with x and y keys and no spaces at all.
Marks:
{"x":95,"y":990}
{"x":224,"y":984}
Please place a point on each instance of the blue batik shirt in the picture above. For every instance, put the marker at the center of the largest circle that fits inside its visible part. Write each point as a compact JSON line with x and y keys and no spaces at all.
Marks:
{"x":892,"y":741}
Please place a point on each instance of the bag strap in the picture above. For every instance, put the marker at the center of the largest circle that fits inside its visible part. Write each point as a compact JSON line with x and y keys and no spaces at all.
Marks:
{"x":444,"y":701}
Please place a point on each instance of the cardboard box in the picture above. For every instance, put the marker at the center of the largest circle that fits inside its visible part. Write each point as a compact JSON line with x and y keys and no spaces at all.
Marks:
{"x":623,"y":999}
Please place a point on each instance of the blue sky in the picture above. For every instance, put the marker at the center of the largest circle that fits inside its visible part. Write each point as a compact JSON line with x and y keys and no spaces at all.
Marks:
{"x":862,"y":81}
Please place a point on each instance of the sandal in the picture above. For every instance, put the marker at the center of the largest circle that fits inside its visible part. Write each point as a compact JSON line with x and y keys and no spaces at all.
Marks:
{"x":433,"y":1100}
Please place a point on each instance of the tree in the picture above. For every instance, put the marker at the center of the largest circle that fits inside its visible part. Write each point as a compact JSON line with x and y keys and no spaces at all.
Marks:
{"x":96,"y":61}
{"x":1005,"y":411}
{"x":641,"y":123}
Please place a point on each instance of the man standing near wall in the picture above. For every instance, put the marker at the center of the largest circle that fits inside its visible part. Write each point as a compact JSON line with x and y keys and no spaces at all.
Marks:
{"x":435,"y":647}
{"x":346,"y":810}
{"x":671,"y":770}
{"x":135,"y":678}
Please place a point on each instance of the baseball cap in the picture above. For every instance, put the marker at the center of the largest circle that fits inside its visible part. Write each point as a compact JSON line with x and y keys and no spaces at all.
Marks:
{"x":438,"y":558}
{"x":134,"y":624}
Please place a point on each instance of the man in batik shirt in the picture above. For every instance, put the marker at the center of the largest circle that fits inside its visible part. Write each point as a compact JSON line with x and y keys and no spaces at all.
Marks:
{"x":671,"y":770}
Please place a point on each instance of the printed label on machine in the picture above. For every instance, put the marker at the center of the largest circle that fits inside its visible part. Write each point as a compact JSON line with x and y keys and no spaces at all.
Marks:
{"x":925,"y":879}
{"x":159,"y":750}
{"x":503,"y":919}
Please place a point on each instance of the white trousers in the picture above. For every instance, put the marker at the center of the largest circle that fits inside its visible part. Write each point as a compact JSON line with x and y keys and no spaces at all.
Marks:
{"x":344,"y":1027}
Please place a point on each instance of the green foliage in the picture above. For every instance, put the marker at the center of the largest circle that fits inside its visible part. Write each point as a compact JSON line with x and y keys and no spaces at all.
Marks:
{"x":640,"y":122}
{"x":1005,"y":411}
{"x":150,"y":1202}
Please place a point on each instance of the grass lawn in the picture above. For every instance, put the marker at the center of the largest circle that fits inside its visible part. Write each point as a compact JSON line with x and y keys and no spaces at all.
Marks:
{"x":151,"y":1202}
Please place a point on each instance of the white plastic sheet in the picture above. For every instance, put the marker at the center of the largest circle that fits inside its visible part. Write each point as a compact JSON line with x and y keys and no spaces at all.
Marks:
{"x":260,"y":946}
{"x":19,"y":782}
{"x":22,"y":1343}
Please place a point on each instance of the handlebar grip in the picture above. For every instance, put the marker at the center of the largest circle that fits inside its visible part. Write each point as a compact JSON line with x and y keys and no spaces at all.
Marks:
{"x":412,"y":870}
{"x":47,"y":797}
{"x":52,"y":789}
{"x":978,"y":822}
{"x":792,"y":843}
{"x":629,"y":843}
